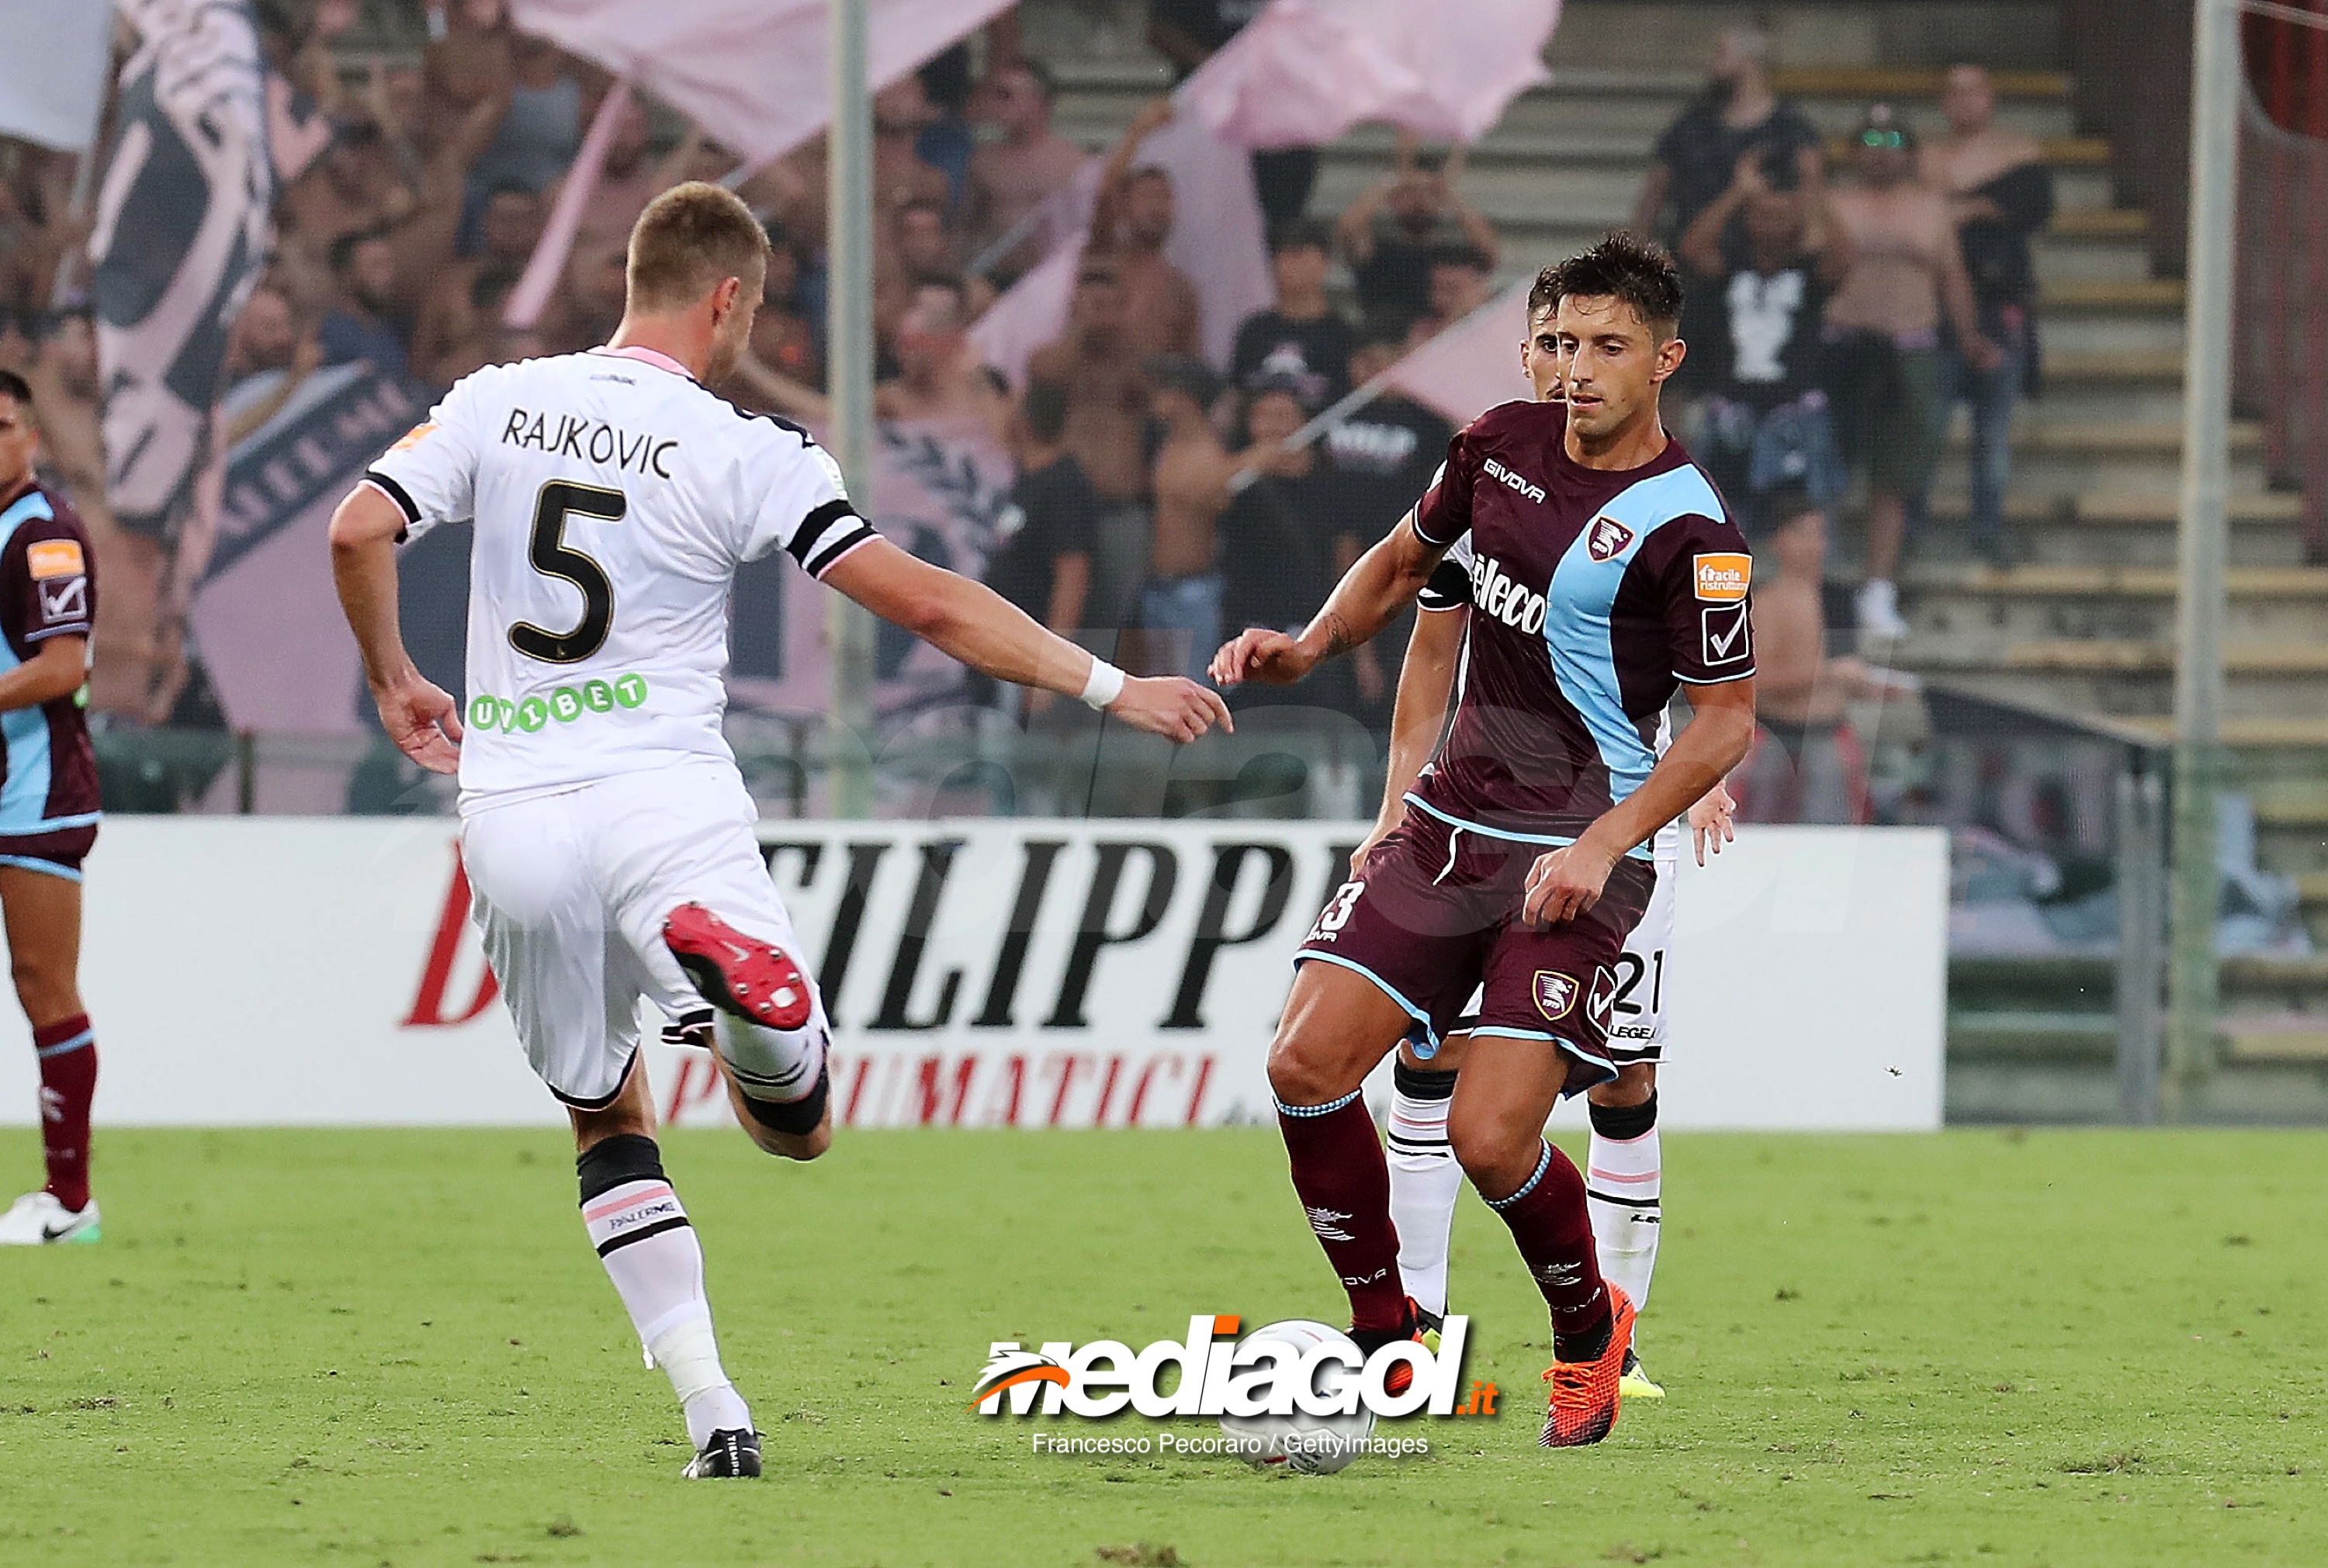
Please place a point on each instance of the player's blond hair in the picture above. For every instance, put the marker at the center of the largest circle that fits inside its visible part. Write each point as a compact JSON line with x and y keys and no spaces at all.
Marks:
{"x":689,"y":239}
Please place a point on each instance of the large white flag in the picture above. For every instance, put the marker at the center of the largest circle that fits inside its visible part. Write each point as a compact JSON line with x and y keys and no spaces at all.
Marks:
{"x":753,"y":74}
{"x":1304,"y":71}
{"x":53,"y":70}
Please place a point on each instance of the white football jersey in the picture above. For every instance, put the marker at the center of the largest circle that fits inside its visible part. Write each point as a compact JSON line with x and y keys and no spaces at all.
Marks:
{"x":613,"y":498}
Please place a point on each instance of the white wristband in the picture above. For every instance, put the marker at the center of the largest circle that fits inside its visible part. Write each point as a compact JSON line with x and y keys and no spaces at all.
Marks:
{"x":1105,"y":686}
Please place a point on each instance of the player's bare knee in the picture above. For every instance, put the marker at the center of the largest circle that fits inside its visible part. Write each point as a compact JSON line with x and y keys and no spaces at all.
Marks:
{"x":1496,"y":1155}
{"x":1634,"y":1084}
{"x":1304,"y":1068}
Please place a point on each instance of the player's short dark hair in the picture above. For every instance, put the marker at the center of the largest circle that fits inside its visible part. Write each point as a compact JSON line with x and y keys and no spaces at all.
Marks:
{"x":1623,"y":266}
{"x":16,"y":387}
{"x":1046,"y":411}
{"x":690,"y":239}
{"x":1300,"y":234}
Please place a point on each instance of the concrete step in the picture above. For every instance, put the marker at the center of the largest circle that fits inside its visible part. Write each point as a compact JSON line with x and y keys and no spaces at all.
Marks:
{"x":1952,"y":604}
{"x":2120,"y":677}
{"x":2102,"y":530}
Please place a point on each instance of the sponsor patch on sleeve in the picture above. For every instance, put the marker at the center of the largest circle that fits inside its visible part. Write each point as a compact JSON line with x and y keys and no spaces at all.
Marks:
{"x":425,"y":428}
{"x":1727,"y":637}
{"x":55,"y":558}
{"x":1723,"y":578}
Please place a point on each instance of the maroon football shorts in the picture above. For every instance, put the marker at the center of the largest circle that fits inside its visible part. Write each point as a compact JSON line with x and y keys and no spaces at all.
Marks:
{"x":1436,"y":911}
{"x":58,"y":853}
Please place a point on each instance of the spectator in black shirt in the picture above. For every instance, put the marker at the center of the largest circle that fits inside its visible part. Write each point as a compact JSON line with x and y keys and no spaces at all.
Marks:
{"x":2001,"y":194}
{"x":1189,"y":33}
{"x":1738,"y":114}
{"x":1391,"y":235}
{"x":1283,"y":547}
{"x":1379,"y":462}
{"x":1301,"y":338}
{"x":1762,"y":264}
{"x":1043,"y":562}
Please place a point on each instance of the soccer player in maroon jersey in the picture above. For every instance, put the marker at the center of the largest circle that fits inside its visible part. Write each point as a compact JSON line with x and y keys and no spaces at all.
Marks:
{"x":1606,"y":574}
{"x":48,"y":811}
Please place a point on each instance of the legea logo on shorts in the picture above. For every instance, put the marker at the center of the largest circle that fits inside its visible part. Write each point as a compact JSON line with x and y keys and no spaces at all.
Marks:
{"x":1220,"y":1376}
{"x":1722,"y":579}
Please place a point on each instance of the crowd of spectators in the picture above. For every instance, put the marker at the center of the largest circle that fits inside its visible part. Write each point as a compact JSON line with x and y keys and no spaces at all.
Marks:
{"x":1838,"y":310}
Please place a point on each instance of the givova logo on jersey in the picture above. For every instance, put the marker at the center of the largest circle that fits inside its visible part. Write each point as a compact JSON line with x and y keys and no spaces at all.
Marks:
{"x":1495,"y":592}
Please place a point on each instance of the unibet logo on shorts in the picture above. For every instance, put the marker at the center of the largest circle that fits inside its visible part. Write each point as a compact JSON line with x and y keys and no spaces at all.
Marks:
{"x":1722,"y":579}
{"x":564,"y":705}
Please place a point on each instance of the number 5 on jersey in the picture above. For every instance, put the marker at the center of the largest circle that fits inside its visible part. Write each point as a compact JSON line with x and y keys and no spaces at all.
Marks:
{"x":552,"y":557}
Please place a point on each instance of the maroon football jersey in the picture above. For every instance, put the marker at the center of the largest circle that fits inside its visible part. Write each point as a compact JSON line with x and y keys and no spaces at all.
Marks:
{"x":48,"y":589}
{"x":1594,"y":594}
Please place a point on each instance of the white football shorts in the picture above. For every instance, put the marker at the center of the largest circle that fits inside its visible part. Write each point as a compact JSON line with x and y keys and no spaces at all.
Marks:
{"x":1637,"y":1023}
{"x":571,"y":889}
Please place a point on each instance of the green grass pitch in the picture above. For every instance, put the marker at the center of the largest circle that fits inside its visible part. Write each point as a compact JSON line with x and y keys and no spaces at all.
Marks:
{"x":379,"y":1347}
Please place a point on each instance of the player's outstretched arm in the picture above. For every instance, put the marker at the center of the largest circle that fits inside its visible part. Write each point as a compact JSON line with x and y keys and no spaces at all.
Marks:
{"x":1384,"y":581}
{"x":422,"y":719}
{"x":1568,"y":881}
{"x":970,"y":622}
{"x":1425,"y":682}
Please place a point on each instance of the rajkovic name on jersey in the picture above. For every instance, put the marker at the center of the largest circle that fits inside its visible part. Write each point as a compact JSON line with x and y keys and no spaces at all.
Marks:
{"x":613,"y":499}
{"x":592,"y":441}
{"x":1597,"y":594}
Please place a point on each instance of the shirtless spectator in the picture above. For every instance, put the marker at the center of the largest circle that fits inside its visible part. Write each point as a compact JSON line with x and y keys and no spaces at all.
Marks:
{"x":472,"y":64}
{"x":1763,"y":265}
{"x":1009,"y":178}
{"x":1300,"y":337}
{"x":1739,"y":113}
{"x":1391,"y":234}
{"x":1094,"y":365}
{"x":354,"y":187}
{"x":1180,"y":605}
{"x":512,"y":227}
{"x":924,"y":249}
{"x":363,"y":322}
{"x":482,"y":339}
{"x":1130,"y":223}
{"x":2001,"y":195}
{"x":1805,"y":765}
{"x":1883,"y":327}
{"x":939,"y":376}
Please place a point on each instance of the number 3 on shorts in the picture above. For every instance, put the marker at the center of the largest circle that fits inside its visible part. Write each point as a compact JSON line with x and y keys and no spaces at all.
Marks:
{"x":1336,"y":913}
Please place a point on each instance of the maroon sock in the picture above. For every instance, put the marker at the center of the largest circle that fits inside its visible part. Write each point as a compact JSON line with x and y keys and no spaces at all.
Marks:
{"x":68,"y":1053}
{"x":1344,"y":1181}
{"x":1549,"y":1222}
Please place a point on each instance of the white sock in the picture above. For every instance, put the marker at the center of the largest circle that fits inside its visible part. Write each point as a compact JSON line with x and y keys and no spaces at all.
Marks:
{"x":1623,"y":1178}
{"x":650,"y":1251}
{"x":772,"y":1064}
{"x":1424,"y":1181}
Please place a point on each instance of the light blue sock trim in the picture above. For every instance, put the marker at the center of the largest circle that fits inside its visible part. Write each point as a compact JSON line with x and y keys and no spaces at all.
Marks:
{"x":1326,"y":1110}
{"x":74,"y":1044}
{"x":1542,"y":1164}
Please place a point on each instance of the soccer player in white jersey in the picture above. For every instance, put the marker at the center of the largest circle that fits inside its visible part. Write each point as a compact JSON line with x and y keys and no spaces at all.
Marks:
{"x":1624,"y":1167}
{"x":607,"y":831}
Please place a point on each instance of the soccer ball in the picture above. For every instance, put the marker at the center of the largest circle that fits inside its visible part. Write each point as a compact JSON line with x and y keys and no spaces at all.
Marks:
{"x":1305,"y":1445}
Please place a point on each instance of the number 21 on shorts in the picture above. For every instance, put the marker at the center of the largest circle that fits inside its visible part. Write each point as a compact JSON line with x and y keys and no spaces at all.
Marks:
{"x":1336,"y":913}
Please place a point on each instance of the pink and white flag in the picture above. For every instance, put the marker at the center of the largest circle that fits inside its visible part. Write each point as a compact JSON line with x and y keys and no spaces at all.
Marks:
{"x":1304,"y":71}
{"x":1474,"y":364}
{"x":751,"y":73}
